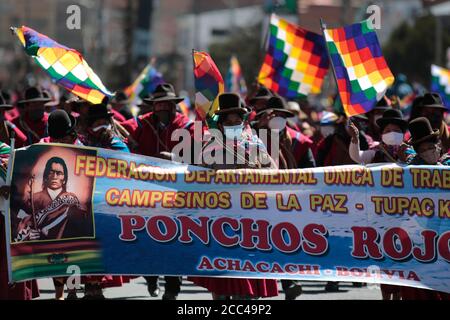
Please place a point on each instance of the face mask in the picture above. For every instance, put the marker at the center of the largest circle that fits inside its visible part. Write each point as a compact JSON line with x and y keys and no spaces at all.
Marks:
{"x":327,"y":131}
{"x":233,"y":132}
{"x":392,"y":138}
{"x":431,"y":156}
{"x":277,"y":123}
{"x":105,"y":126}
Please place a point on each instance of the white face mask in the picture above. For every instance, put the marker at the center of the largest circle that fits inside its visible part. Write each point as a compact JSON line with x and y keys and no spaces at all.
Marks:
{"x":431,"y":156}
{"x":105,"y":126}
{"x":233,"y":132}
{"x":392,"y":138}
{"x":277,"y":123}
{"x":326,"y":131}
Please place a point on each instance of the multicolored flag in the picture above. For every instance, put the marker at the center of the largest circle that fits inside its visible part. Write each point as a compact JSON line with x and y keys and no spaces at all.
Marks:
{"x":64,"y":65}
{"x":362,"y":74}
{"x":235,"y":82}
{"x":440,"y":83}
{"x":145,"y":83}
{"x":208,"y":84}
{"x":296,"y":60}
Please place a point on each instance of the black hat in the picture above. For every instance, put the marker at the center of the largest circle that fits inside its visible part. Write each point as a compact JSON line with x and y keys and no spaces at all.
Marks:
{"x":278,"y":105}
{"x":421,"y":131}
{"x":392,"y":116}
{"x":164,"y":92}
{"x":432,"y":100}
{"x":98,"y":111}
{"x":262,"y":94}
{"x":60,"y":124}
{"x":121,"y":97}
{"x":34,"y":94}
{"x":382,"y":104}
{"x":231,"y":103}
{"x":3,"y":103}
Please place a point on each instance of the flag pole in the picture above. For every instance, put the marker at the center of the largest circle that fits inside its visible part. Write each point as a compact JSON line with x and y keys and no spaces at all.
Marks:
{"x":8,"y":204}
{"x":323,"y":26}
{"x":265,"y":47}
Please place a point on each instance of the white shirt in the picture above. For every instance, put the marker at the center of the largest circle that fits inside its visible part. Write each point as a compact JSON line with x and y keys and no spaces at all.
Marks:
{"x":362,"y":157}
{"x":54,"y":193}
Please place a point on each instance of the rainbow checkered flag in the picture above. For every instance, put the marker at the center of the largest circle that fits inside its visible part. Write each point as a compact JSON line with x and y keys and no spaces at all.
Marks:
{"x":235,"y":81}
{"x":296,"y":60}
{"x":65,"y":66}
{"x":362,"y":74}
{"x":208,"y":85}
{"x":145,"y":83}
{"x":440,"y":83}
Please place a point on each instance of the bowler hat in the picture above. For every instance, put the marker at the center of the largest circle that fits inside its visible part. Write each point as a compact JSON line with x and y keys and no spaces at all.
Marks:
{"x":164,"y":92}
{"x":278,"y":105}
{"x":60,"y":124}
{"x":392,"y":116}
{"x":34,"y":94}
{"x":230,"y":103}
{"x":98,"y":111}
{"x":3,"y":103}
{"x":421,"y":131}
{"x":433,"y":100}
{"x":262,"y":94}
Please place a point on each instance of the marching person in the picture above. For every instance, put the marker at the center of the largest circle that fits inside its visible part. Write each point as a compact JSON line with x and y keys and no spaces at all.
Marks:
{"x":17,"y":291}
{"x":258,"y":101}
{"x":7,"y":127}
{"x":391,"y":148}
{"x":430,"y":106}
{"x":151,"y":136}
{"x":373,"y":115}
{"x":152,"y":132}
{"x":32,"y":120}
{"x":294,"y":152}
{"x":235,"y":141}
{"x":121,"y":104}
{"x":333,"y":149}
{"x":426,"y":142}
{"x":62,"y":129}
{"x":102,"y":130}
{"x":296,"y":148}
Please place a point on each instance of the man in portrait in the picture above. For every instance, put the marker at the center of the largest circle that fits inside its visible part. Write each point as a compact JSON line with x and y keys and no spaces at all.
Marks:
{"x":53,"y":212}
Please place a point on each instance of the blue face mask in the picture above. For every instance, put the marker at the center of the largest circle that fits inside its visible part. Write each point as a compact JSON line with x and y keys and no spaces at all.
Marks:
{"x":233,"y":132}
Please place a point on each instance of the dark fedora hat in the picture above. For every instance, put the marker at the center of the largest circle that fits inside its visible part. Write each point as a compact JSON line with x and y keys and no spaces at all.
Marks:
{"x":98,"y":111}
{"x":433,"y":100}
{"x":3,"y":102}
{"x":278,"y":105}
{"x":34,"y":94}
{"x":231,"y":103}
{"x":421,"y":131}
{"x":392,"y":116}
{"x":262,"y":94}
{"x":121,"y":98}
{"x":164,"y":92}
{"x":60,"y":124}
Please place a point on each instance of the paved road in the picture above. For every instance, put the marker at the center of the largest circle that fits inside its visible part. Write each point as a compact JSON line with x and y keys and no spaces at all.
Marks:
{"x":137,"y":290}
